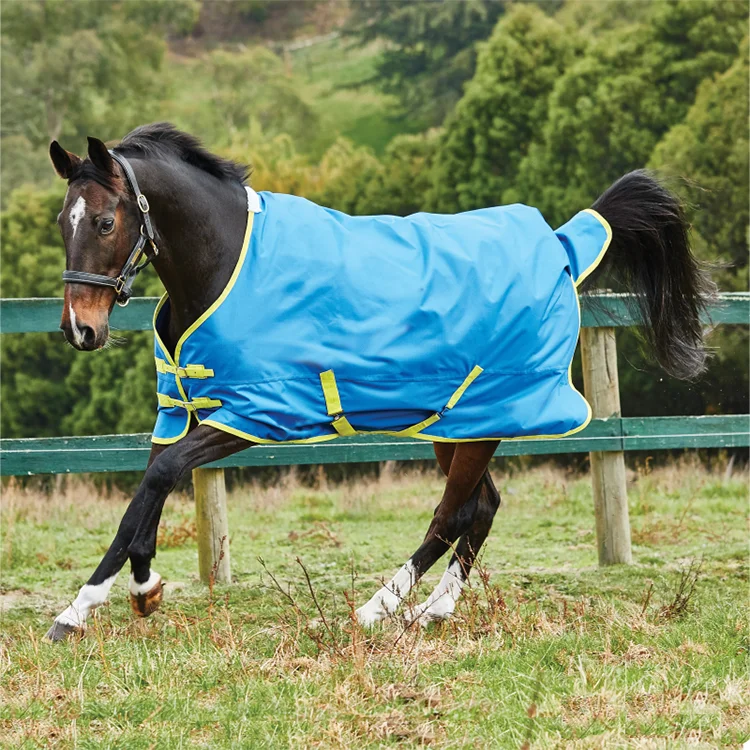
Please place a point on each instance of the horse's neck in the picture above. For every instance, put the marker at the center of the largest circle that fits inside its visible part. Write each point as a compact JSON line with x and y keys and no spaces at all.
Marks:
{"x":200,"y":222}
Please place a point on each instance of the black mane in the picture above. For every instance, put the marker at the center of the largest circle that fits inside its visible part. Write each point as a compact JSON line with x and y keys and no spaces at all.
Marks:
{"x":163,"y":140}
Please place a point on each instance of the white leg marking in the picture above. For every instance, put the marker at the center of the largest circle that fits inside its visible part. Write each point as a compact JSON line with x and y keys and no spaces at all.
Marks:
{"x":143,"y":588}
{"x":442,"y":601}
{"x":89,"y":597}
{"x":388,"y":598}
{"x":77,"y":213}
{"x":77,"y":335}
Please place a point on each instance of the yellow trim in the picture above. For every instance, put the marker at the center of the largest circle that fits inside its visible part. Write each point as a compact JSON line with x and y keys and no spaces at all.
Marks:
{"x":262,"y":441}
{"x":169,"y":441}
{"x":608,"y":229}
{"x":331,"y":393}
{"x":175,"y":361}
{"x":414,"y":429}
{"x":220,"y":299}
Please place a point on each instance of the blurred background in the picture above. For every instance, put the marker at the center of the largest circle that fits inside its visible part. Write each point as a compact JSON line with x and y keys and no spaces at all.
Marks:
{"x":374,"y":106}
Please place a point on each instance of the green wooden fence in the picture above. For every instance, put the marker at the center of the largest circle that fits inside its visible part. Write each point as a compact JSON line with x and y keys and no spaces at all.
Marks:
{"x":605,"y":439}
{"x":130,"y":452}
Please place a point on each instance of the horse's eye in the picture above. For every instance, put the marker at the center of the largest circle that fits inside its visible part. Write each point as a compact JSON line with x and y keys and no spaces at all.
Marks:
{"x":106,"y":226}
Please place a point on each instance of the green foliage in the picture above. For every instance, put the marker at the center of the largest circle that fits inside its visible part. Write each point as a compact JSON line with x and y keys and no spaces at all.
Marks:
{"x":401,"y":185}
{"x":430,"y":52}
{"x":69,"y":67}
{"x":709,"y":149}
{"x":72,"y":69}
{"x":500,"y":114}
{"x":250,"y":89}
{"x":611,"y":107}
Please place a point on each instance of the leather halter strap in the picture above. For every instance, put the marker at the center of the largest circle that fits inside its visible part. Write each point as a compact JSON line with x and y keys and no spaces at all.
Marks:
{"x":123,"y":282}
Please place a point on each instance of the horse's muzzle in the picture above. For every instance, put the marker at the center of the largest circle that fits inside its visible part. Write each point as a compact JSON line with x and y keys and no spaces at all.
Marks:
{"x":83,"y":337}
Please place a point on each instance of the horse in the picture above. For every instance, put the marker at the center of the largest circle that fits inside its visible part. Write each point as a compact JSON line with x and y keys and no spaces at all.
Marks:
{"x":160,"y":198}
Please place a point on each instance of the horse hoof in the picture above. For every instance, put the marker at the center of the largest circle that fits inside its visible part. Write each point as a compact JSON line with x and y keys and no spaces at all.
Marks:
{"x":62,"y":630}
{"x":145,"y":603}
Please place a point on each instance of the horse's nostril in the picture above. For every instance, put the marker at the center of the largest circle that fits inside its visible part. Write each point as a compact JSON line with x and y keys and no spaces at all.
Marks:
{"x":88,"y":336}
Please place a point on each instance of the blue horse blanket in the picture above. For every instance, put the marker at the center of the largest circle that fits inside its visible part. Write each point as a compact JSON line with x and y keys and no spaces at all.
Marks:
{"x":439,"y":327}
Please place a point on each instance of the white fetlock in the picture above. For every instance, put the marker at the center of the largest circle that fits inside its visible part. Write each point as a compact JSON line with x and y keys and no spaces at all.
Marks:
{"x":441,"y":604}
{"x":73,"y":618}
{"x":439,"y":611}
{"x":138,"y":589}
{"x":146,"y":597}
{"x":388,"y":599}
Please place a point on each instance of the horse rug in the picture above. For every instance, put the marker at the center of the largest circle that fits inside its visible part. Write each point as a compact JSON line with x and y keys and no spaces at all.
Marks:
{"x":439,"y":327}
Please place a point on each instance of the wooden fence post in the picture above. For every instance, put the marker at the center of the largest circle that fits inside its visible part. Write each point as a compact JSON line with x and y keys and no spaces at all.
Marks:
{"x":212,"y":525}
{"x":602,"y":390}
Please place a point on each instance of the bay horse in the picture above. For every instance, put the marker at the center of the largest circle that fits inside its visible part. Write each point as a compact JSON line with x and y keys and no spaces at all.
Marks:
{"x":159,"y":197}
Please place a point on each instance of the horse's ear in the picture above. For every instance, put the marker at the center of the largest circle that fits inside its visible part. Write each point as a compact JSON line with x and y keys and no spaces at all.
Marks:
{"x":100,"y":156}
{"x":63,"y":161}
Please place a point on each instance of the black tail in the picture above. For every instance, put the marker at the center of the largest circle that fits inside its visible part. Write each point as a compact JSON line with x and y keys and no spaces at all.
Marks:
{"x":650,"y":256}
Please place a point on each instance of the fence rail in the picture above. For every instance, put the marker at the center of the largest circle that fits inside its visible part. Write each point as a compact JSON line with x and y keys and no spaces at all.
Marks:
{"x":606,"y":438}
{"x":105,"y":453}
{"x":42,"y":314}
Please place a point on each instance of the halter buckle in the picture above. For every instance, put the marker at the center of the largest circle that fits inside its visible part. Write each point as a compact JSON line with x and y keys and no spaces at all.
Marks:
{"x":143,"y":203}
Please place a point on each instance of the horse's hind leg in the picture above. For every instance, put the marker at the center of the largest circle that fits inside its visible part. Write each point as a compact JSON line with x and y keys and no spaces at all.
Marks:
{"x":442,"y":601}
{"x":136,"y":535}
{"x":453,"y":518}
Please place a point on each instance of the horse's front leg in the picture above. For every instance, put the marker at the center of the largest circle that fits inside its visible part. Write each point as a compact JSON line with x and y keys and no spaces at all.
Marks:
{"x":453,"y":518}
{"x":136,"y":535}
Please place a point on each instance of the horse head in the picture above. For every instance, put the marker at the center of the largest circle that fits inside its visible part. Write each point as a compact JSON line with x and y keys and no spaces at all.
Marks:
{"x":100,"y":225}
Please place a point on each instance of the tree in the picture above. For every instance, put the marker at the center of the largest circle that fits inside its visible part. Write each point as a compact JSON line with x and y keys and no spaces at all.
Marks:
{"x":251,"y":91}
{"x":501,"y":112}
{"x":430,"y":48}
{"x":70,"y":66}
{"x":399,"y":186}
{"x":611,"y":107}
{"x":74,"y":68}
{"x":709,"y":149}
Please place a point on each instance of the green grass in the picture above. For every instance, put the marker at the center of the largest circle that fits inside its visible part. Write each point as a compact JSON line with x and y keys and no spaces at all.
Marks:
{"x":545,"y":648}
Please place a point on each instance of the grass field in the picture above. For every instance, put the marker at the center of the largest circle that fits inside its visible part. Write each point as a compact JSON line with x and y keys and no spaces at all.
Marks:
{"x":545,"y":650}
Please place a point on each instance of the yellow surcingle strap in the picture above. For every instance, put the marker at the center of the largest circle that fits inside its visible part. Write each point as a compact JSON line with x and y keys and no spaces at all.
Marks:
{"x":194,"y":405}
{"x":470,"y":378}
{"x":342,"y":426}
{"x":189,"y":371}
{"x":452,"y":401}
{"x":333,"y":404}
{"x":331,"y":393}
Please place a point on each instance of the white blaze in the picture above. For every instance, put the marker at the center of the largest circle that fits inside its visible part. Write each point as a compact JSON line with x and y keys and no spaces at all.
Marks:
{"x":77,"y":213}
{"x":77,"y":335}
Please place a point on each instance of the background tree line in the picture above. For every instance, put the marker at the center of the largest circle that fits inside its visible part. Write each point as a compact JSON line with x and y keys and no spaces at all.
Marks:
{"x":404,"y":106}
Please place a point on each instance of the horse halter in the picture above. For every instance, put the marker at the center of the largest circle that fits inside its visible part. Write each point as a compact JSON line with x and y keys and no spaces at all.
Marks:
{"x":123,"y":282}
